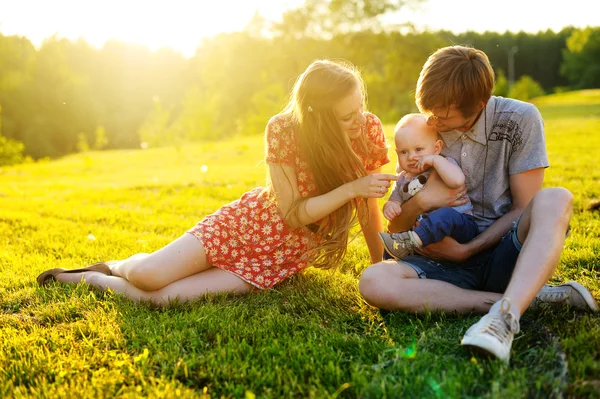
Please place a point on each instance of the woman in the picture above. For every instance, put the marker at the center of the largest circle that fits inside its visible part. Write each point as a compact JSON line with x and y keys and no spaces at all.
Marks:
{"x":324,"y":156}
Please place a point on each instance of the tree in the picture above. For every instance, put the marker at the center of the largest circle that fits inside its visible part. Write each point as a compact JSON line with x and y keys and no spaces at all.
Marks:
{"x":525,"y":89}
{"x":582,"y":58}
{"x":11,"y":151}
{"x":326,"y":18}
{"x":501,"y":87}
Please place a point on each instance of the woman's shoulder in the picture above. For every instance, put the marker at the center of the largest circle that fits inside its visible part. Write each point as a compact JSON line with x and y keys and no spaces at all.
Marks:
{"x":374,"y":129}
{"x":372,"y":119}
{"x":374,"y":125}
{"x":280,"y":140}
{"x":280,"y":122}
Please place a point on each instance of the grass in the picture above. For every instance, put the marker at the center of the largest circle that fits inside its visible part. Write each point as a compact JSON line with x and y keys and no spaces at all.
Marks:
{"x":312,"y":336}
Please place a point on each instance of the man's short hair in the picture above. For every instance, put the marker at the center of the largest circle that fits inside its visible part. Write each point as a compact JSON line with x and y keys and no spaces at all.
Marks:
{"x":457,"y":76}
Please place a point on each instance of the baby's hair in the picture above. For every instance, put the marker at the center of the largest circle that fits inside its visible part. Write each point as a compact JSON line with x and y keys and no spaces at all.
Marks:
{"x":411,"y":120}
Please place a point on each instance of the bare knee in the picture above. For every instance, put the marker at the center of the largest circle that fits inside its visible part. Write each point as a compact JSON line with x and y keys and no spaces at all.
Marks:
{"x":381,"y":285}
{"x":556,"y":201}
{"x":146,"y":275}
{"x":95,"y":280}
{"x":556,"y":196}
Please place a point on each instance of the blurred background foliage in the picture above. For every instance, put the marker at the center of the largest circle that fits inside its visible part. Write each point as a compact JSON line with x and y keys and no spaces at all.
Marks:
{"x":67,"y":96}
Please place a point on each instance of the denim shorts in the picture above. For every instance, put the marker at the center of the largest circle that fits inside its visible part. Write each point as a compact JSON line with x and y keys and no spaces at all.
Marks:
{"x":489,"y":270}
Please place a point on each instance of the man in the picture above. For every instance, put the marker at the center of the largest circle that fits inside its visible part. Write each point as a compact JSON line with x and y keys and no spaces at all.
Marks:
{"x":499,"y":144}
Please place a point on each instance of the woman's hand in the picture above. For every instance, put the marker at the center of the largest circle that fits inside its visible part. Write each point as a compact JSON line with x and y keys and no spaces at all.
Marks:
{"x":436,"y":194}
{"x":371,"y":186}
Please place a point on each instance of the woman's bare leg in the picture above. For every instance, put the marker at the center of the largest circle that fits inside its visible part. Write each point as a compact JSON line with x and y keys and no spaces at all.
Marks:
{"x":213,"y":280}
{"x":150,"y":272}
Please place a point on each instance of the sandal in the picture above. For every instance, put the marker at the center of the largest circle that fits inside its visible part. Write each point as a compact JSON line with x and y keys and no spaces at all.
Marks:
{"x":50,"y":275}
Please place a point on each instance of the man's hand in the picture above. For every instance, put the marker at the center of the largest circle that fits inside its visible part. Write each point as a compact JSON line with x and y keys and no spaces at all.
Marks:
{"x":446,"y":249}
{"x":391,"y":210}
{"x":436,"y":194}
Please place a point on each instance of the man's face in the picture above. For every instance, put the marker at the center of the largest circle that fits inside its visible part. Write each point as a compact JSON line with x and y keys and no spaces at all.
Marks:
{"x":446,"y":119}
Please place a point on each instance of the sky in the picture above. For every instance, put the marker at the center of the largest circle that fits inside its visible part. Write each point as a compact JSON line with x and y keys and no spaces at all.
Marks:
{"x":181,"y":24}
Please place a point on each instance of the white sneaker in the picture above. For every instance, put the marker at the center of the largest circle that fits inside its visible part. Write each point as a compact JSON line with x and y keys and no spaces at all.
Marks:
{"x":572,"y":294}
{"x":494,"y":333}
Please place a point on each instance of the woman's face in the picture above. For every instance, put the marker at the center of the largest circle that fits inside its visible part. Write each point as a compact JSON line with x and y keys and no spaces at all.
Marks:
{"x":349,"y":113}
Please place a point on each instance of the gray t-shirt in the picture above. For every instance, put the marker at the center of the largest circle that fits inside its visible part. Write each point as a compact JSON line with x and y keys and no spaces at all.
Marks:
{"x":508,"y":138}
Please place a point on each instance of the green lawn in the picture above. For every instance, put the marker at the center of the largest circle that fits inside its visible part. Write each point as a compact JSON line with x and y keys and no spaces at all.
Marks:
{"x":312,"y":336}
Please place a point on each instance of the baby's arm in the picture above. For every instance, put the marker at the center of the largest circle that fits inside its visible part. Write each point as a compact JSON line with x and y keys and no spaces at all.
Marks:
{"x":450,"y":173}
{"x":392,"y":209}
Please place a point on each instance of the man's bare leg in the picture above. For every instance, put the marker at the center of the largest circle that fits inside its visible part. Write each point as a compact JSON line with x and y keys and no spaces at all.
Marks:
{"x":542,"y":230}
{"x":395,"y":285}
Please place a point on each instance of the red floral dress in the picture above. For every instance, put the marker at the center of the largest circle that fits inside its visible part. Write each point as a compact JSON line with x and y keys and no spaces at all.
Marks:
{"x":249,"y":236}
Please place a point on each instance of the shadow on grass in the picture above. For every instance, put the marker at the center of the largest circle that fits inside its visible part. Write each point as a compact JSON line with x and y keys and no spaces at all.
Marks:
{"x":312,"y":336}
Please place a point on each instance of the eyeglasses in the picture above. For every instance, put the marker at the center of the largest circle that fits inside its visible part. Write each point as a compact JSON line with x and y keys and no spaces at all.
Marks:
{"x":456,"y":121}
{"x":432,"y":118}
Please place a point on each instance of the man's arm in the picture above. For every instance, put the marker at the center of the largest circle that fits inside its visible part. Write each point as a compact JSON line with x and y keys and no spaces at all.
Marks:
{"x":434,"y":195}
{"x":523,"y":187}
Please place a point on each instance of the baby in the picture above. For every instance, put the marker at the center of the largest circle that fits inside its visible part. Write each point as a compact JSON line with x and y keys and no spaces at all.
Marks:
{"x":418,"y":148}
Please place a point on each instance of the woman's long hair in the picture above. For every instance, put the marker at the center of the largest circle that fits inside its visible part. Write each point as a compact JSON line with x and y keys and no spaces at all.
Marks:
{"x":327,"y":149}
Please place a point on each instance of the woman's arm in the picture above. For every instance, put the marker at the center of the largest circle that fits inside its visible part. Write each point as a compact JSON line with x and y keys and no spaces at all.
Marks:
{"x":373,"y":226}
{"x":316,"y":208}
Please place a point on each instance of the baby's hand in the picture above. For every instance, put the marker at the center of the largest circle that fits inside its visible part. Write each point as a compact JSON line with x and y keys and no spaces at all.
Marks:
{"x":425,"y":162}
{"x":391,"y":210}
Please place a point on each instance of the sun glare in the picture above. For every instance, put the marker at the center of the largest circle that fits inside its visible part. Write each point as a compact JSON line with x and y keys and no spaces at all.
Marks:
{"x":178,"y":24}
{"x":181,"y":24}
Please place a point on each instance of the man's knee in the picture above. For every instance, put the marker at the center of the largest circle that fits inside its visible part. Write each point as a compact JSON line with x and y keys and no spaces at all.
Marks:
{"x":555,"y":200}
{"x":381,"y":284}
{"x":549,"y":206}
{"x":556,"y":195}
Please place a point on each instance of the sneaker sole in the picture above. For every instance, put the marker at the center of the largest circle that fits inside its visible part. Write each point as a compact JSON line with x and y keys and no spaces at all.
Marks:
{"x":385,"y":246}
{"x":482,"y":348}
{"x":587,"y":296}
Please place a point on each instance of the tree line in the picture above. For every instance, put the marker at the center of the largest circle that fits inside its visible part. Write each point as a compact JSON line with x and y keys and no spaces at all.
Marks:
{"x":67,"y":96}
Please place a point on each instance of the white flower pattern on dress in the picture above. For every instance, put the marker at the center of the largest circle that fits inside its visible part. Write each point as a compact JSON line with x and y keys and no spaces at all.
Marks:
{"x":249,"y":237}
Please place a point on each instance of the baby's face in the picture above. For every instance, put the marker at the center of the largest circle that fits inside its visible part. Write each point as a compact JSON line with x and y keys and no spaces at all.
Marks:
{"x":412,"y":144}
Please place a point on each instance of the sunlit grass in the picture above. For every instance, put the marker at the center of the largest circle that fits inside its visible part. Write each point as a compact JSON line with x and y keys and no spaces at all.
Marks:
{"x":312,"y":336}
